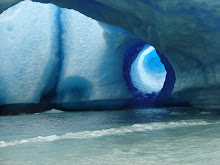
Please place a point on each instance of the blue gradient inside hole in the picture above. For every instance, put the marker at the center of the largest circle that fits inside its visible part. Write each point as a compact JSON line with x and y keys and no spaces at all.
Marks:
{"x":147,"y":72}
{"x":154,"y":64}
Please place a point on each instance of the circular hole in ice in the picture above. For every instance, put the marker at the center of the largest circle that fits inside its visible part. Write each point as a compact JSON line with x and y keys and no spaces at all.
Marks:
{"x":147,"y":72}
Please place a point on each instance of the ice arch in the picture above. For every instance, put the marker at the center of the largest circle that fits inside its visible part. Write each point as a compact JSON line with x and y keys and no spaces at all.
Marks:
{"x":186,"y":32}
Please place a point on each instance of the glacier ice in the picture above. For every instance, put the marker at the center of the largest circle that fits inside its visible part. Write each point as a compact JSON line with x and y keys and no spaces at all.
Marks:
{"x":59,"y":56}
{"x":28,"y":52}
{"x":92,"y":59}
{"x":186,"y":32}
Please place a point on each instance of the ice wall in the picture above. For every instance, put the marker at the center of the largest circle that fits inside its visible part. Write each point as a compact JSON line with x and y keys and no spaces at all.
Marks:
{"x":187,"y":32}
{"x":92,"y":59}
{"x":59,"y":56}
{"x":28,"y":52}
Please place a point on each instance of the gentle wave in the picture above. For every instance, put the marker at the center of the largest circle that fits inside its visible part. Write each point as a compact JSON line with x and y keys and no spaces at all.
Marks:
{"x":107,"y":132}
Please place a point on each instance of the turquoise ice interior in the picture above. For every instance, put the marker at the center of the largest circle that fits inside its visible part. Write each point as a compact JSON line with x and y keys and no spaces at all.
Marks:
{"x":148,"y":73}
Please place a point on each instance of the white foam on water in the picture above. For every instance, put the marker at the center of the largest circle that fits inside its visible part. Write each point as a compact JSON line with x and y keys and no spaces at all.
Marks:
{"x":108,"y":132}
{"x":53,"y":111}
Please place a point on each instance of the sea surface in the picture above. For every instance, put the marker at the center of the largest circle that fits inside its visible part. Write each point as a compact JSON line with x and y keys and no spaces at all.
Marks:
{"x":143,"y":136}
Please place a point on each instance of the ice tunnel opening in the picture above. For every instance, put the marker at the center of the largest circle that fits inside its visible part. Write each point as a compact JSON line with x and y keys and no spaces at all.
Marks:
{"x":148,"y":73}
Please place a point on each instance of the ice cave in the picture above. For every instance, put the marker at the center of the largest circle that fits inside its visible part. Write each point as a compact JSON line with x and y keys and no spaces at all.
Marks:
{"x":100,"y":54}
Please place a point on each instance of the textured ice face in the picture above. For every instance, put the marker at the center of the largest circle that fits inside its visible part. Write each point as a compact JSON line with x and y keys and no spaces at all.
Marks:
{"x":92,"y":59}
{"x":60,"y":53}
{"x":147,"y":72}
{"x":28,"y":49}
{"x":186,"y":32}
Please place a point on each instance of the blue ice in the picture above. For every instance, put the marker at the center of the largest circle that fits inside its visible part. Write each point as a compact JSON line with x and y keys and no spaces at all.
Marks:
{"x":28,"y":48}
{"x":148,"y":74}
{"x":92,"y":59}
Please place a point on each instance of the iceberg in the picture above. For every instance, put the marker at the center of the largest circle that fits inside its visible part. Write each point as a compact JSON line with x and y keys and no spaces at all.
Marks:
{"x":185,"y":35}
{"x":186,"y":32}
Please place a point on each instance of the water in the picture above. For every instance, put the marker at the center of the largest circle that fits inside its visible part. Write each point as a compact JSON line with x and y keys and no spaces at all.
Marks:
{"x":151,"y":136}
